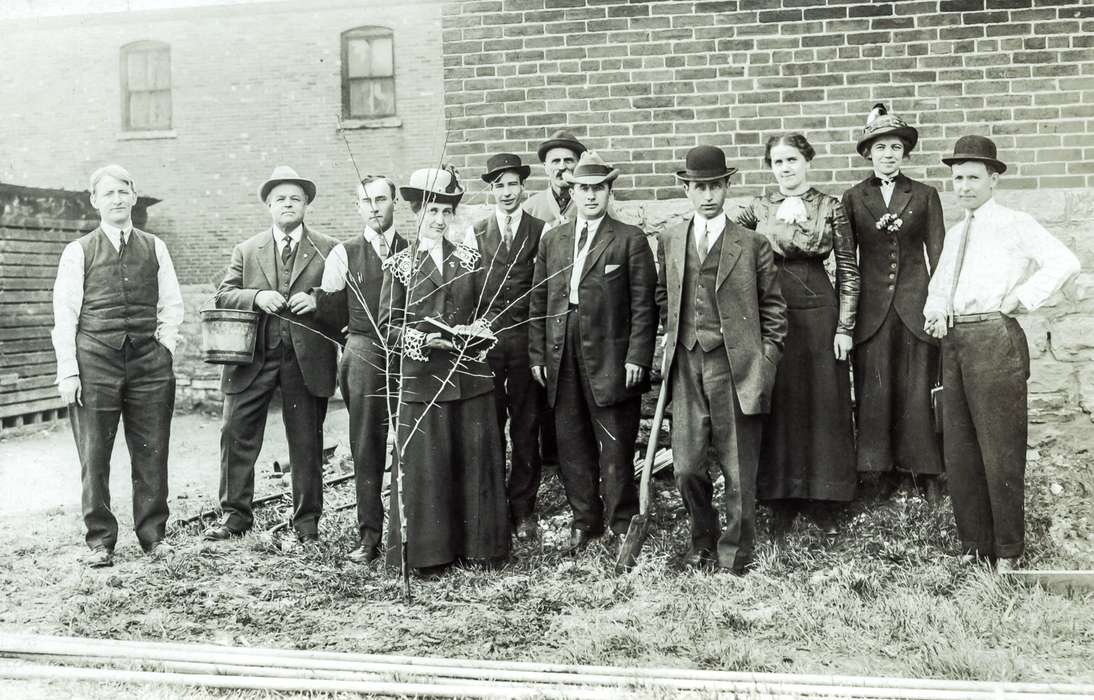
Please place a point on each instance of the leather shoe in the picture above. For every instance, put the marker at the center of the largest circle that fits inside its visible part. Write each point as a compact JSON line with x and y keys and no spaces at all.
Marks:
{"x":698,"y":557}
{"x":364,"y":553}
{"x":579,"y":539}
{"x":527,"y":529}
{"x":98,"y":558}
{"x":219,"y":533}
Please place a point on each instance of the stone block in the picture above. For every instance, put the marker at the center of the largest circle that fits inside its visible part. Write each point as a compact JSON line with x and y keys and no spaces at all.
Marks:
{"x":1049,"y":378}
{"x":1073,"y":339}
{"x":1037,"y":330}
{"x":1080,"y":205}
{"x":1085,"y":386}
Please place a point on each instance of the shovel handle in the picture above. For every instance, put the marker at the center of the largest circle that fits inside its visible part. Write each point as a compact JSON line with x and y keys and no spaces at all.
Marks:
{"x":651,"y":448}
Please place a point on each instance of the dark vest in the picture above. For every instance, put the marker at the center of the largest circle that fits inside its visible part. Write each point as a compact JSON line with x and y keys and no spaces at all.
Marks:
{"x":699,"y":322}
{"x":279,"y":330}
{"x":121,"y":291}
{"x":364,"y":278}
{"x":509,"y":277}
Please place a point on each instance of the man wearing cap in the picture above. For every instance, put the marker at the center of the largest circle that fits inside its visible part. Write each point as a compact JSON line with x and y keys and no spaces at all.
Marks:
{"x":117,"y":309}
{"x":275,"y":272}
{"x":995,"y":264}
{"x":725,"y":322}
{"x":559,"y":155}
{"x":591,"y":336}
{"x":899,"y":229}
{"x":350,"y":297}
{"x":508,"y":240}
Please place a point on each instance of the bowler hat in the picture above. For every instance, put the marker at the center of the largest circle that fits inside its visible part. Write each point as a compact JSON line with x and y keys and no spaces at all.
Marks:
{"x":284,"y":173}
{"x":704,"y":164}
{"x":590,"y":170}
{"x":973,"y":147}
{"x":502,"y":162}
{"x":560,"y":139}
{"x":438,"y":185}
{"x":880,"y":123}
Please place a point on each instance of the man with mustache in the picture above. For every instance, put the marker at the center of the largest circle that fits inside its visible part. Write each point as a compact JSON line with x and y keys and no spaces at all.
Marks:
{"x":508,"y":241}
{"x":352,"y":281}
{"x":275,"y":272}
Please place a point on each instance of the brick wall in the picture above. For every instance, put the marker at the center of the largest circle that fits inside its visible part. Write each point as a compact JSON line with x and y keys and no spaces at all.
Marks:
{"x":642,"y":82}
{"x":253,"y":86}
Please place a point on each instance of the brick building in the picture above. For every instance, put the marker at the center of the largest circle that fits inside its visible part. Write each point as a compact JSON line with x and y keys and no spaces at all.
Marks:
{"x":642,"y":82}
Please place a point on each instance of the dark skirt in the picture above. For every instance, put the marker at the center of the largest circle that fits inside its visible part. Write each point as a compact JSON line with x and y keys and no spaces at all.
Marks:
{"x":453,"y":484}
{"x":807,"y":450}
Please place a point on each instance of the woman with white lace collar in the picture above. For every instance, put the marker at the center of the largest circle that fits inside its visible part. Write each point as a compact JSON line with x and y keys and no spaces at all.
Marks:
{"x":807,"y":454}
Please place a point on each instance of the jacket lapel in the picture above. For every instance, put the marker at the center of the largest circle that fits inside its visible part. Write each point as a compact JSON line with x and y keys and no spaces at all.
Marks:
{"x":521,"y":237}
{"x":676,"y":249}
{"x":429,"y":268}
{"x":874,"y":201}
{"x":267,"y":254}
{"x":603,"y":238}
{"x":731,"y":252}
{"x":565,"y":250}
{"x":490,"y":242}
{"x":306,"y":254}
{"x":902,"y":194}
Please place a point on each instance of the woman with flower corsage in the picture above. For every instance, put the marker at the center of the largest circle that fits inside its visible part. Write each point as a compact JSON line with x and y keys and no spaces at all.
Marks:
{"x":807,"y":453}
{"x":452,"y":470}
{"x":899,"y":230}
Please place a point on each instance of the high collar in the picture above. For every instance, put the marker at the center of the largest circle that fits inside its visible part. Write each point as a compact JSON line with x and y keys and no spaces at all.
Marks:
{"x":514,"y":220}
{"x":371,"y":234}
{"x":777,"y":196}
{"x":984,"y":210}
{"x":713,"y":226}
{"x":877,"y":177}
{"x":114,"y":234}
{"x":296,"y":234}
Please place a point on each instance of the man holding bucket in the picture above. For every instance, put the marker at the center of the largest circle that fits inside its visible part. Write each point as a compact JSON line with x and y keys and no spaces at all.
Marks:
{"x":117,"y":309}
{"x":275,"y":273}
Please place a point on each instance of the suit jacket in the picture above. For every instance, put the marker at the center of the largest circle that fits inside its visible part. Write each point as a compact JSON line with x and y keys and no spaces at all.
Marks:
{"x":893,"y":269}
{"x":508,"y":275}
{"x":333,"y":308}
{"x":617,"y":311}
{"x":452,"y":295}
{"x":751,"y":308}
{"x":252,"y":270}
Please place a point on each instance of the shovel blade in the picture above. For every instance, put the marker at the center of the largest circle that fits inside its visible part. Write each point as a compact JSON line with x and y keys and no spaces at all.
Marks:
{"x":637,"y":532}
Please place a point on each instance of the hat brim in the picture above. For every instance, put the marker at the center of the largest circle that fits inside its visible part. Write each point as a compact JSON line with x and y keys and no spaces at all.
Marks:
{"x":307,"y":185}
{"x":576,"y":146}
{"x":569,"y":177}
{"x":414,"y":194}
{"x":907,"y":134}
{"x":523,"y":171}
{"x":963,"y":157}
{"x":685,"y":176}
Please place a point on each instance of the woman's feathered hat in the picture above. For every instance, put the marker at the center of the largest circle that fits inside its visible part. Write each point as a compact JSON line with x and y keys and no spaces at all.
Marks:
{"x":881,"y":123}
{"x":440,"y":185}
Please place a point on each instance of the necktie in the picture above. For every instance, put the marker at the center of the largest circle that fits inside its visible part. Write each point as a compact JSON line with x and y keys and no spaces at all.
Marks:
{"x":507,"y":234}
{"x":701,"y":241}
{"x":286,"y":251}
{"x":581,"y":239}
{"x":385,"y":249}
{"x":886,"y":182}
{"x":957,"y":266}
{"x":123,"y":242}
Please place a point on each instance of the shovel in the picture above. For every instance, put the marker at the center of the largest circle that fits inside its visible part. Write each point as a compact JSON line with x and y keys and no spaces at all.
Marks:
{"x":639,"y":528}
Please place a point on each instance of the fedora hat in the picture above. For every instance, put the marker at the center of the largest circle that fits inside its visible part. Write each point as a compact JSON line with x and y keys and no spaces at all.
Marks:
{"x":560,"y":139}
{"x":503,"y":162}
{"x":705,"y":164}
{"x":974,"y":147}
{"x":284,"y":173}
{"x":440,"y":185}
{"x":590,"y":170}
{"x":880,"y":123}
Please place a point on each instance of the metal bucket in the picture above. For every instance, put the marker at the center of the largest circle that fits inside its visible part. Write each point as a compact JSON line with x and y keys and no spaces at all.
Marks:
{"x":228,"y":336}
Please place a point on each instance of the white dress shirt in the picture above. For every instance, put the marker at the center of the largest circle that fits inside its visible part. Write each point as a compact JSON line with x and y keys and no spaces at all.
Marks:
{"x":582,"y":253}
{"x":68,"y":299}
{"x":888,"y":184}
{"x":471,"y":241}
{"x":279,"y":238}
{"x":1008,"y":253}
{"x":336,"y":268}
{"x":435,"y":248}
{"x":713,"y":228}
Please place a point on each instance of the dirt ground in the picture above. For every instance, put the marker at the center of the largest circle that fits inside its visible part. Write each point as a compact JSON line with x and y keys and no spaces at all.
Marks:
{"x":886,"y":597}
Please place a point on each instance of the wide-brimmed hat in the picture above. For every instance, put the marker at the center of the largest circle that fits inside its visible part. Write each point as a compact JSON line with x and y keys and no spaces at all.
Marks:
{"x":590,"y":170}
{"x":880,"y":123}
{"x":439,"y":185}
{"x":284,"y":173}
{"x":503,"y":162}
{"x":705,"y":164}
{"x":974,"y":147}
{"x":560,"y":139}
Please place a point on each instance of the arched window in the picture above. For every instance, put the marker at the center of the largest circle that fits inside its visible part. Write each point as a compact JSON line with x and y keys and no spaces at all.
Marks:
{"x":146,"y":86}
{"x":368,"y":73}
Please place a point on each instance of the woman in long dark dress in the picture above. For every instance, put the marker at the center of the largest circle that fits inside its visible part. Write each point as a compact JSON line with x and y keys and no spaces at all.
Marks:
{"x":807,"y":454}
{"x":452,"y":468}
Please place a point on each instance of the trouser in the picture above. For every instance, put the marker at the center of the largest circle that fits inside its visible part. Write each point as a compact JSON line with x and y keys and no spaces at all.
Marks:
{"x":363,"y":380}
{"x":705,"y":413}
{"x":241,"y":441}
{"x":596,"y":454}
{"x":985,"y":366}
{"x":520,"y":399}
{"x":137,"y":384}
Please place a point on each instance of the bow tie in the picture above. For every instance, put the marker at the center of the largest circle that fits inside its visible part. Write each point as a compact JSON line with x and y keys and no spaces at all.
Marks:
{"x":884,"y":181}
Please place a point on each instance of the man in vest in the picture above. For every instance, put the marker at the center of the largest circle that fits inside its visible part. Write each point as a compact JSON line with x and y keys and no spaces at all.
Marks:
{"x":350,"y":297}
{"x":117,"y":309}
{"x":508,"y":240}
{"x":725,"y":321}
{"x":275,"y":272}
